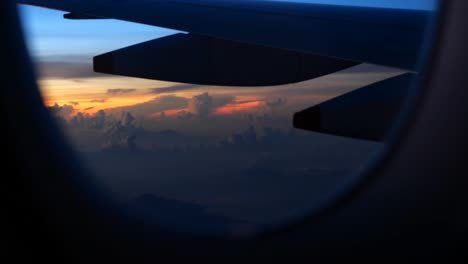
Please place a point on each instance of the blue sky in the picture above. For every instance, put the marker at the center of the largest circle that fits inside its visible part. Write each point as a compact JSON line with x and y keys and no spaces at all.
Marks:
{"x":49,"y":35}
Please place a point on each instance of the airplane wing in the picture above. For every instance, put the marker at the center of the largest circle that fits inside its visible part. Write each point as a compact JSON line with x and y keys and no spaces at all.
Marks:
{"x":253,"y":42}
{"x":382,"y":36}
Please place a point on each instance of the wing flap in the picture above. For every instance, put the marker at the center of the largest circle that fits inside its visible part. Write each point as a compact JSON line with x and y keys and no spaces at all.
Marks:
{"x":188,"y":58}
{"x":366,"y":113}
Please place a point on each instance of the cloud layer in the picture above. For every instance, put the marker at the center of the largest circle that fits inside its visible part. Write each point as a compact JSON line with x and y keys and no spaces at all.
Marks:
{"x":174,"y":88}
{"x":119,"y":91}
{"x":65,"y":70}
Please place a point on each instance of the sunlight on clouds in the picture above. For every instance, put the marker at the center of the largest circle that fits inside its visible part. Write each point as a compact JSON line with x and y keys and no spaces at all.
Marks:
{"x":111,"y":92}
{"x":238,"y":107}
{"x":93,"y":92}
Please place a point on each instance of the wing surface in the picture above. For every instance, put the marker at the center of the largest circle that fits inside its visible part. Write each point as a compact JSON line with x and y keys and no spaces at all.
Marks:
{"x":383,"y":36}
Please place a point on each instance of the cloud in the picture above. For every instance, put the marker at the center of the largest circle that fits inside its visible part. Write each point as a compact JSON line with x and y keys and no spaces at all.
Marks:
{"x":63,"y":111}
{"x":246,"y":137}
{"x":203,"y":104}
{"x":219,"y":101}
{"x":156,"y":105}
{"x":173,"y":89}
{"x":120,"y":91}
{"x":98,"y":100}
{"x":74,"y":103}
{"x":184,"y":115}
{"x":79,"y":120}
{"x":83,"y":120}
{"x":274,"y":104}
{"x":99,"y":120}
{"x":240,"y":107}
{"x":200,"y":105}
{"x":65,"y":70}
{"x":121,"y":134}
{"x":89,"y":108}
{"x":127,"y":119}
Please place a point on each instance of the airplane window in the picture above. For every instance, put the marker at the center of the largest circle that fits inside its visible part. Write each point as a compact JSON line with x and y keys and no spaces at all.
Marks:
{"x":226,"y":134}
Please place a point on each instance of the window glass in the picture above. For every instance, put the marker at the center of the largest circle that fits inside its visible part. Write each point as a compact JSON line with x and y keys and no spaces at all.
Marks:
{"x":197,"y":158}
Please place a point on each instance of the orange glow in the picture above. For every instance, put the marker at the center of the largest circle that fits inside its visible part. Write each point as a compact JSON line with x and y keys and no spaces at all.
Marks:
{"x":89,"y":95}
{"x":235,"y":108}
{"x":87,"y":106}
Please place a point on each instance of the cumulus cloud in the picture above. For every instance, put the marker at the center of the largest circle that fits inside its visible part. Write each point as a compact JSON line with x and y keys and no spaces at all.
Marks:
{"x":117,"y":133}
{"x":96,"y":121}
{"x":119,"y":91}
{"x":122,"y":133}
{"x":99,"y":119}
{"x":79,"y":120}
{"x":173,"y":89}
{"x":127,"y":119}
{"x":63,"y":111}
{"x":203,"y":104}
